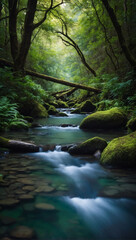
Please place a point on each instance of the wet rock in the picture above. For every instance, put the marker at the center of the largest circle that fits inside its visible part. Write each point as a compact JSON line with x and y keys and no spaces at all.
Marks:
{"x":22,"y":232}
{"x":45,"y":206}
{"x":68,"y":125}
{"x":62,"y":114}
{"x":65,"y":148}
{"x":46,"y":148}
{"x":35,"y":125}
{"x":9,"y":202}
{"x":88,"y":147}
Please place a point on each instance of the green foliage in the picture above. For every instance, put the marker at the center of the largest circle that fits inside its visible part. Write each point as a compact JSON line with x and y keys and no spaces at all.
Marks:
{"x":9,"y":114}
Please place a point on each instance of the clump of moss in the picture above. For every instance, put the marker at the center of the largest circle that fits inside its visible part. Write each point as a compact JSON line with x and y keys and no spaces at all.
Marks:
{"x":120,"y":152}
{"x":109,"y":119}
{"x":62,"y":104}
{"x":131,"y":124}
{"x":89,"y":147}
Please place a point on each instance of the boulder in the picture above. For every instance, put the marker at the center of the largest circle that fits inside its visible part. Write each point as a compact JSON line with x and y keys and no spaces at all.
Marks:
{"x":33,"y":109}
{"x":52,"y":110}
{"x":131,"y":124}
{"x":86,"y":106}
{"x":120,"y":152}
{"x":88,"y":147}
{"x":109,"y":119}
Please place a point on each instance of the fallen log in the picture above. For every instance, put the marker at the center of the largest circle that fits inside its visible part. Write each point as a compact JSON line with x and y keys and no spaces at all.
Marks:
{"x":4,"y":62}
{"x":18,"y":146}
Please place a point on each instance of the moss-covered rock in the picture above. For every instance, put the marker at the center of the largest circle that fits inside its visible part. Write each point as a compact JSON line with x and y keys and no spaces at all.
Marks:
{"x":33,"y":109}
{"x":109,"y":119}
{"x":62,"y":104}
{"x":120,"y":152}
{"x":131,"y":124}
{"x":86,"y":106}
{"x":52,"y":110}
{"x":88,"y":147}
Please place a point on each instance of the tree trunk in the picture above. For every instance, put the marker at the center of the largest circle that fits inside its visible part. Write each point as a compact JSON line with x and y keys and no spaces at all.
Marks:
{"x":26,"y":39}
{"x":13,"y":28}
{"x":119,"y":32}
{"x":3,"y":62}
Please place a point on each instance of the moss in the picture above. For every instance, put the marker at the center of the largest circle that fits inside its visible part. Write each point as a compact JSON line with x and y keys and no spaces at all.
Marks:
{"x":52,"y":110}
{"x":3,"y":142}
{"x":89,"y":147}
{"x":131,"y":124}
{"x":62,"y":104}
{"x":120,"y":152}
{"x":109,"y":119}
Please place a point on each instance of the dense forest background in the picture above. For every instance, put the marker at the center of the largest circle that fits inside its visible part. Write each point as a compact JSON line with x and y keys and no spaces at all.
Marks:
{"x":86,"y":42}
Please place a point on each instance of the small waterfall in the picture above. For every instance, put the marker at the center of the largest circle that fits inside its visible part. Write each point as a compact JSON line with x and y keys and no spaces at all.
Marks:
{"x":58,"y":148}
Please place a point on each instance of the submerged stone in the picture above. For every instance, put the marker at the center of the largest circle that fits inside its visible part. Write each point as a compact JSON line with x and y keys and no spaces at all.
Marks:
{"x":45,"y":206}
{"x":45,"y":189}
{"x":109,"y":119}
{"x":8,"y":202}
{"x":89,"y":147}
{"x":120,"y":152}
{"x":22,"y":232}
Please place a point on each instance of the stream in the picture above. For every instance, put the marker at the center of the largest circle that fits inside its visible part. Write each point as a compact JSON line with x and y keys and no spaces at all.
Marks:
{"x":61,"y":196}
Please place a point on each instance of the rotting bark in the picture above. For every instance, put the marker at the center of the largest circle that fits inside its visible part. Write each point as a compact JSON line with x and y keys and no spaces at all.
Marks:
{"x":3,"y":63}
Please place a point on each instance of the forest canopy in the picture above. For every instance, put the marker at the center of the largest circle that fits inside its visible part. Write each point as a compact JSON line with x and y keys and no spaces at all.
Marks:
{"x":84,"y":42}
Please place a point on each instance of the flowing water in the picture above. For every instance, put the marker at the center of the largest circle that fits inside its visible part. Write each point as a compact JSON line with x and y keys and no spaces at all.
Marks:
{"x":89,"y":202}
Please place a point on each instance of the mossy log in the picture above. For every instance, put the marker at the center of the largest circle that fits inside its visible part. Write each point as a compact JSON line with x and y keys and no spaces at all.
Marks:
{"x":18,"y":146}
{"x":4,"y":62}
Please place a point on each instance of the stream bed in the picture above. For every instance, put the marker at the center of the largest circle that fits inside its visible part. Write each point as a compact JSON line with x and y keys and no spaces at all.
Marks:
{"x":59,"y":196}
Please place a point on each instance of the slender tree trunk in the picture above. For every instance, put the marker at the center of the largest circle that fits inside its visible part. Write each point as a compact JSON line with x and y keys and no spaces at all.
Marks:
{"x":119,"y":32}
{"x":13,"y":28}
